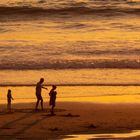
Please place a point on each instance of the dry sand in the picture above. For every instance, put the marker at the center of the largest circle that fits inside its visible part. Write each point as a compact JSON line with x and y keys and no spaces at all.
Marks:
{"x":71,"y":118}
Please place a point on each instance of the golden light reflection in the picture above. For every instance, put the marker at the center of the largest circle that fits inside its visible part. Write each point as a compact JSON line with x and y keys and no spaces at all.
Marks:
{"x":40,"y":37}
{"x":132,"y":134}
{"x":52,"y":31}
{"x":92,"y":94}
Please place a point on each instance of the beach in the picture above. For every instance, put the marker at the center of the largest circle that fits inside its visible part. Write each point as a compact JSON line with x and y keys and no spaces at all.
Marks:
{"x":71,"y":118}
{"x":82,"y":112}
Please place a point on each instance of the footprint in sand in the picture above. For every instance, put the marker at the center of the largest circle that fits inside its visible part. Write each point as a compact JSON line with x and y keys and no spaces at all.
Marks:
{"x":70,"y":115}
{"x":55,"y":129}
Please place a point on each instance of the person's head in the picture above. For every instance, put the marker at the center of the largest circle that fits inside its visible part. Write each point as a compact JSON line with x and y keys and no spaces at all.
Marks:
{"x":9,"y":91}
{"x":54,"y":87}
{"x":41,"y":80}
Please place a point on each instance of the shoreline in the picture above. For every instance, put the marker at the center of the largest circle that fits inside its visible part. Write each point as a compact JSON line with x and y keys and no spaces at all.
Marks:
{"x":71,"y":85}
{"x":72,"y":77}
{"x":95,"y":94}
{"x":76,"y":117}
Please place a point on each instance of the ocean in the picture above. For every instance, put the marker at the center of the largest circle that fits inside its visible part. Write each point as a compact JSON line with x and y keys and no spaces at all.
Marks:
{"x":74,"y":43}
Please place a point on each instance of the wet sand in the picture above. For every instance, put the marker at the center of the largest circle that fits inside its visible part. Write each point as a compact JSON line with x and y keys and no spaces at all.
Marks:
{"x":71,"y":118}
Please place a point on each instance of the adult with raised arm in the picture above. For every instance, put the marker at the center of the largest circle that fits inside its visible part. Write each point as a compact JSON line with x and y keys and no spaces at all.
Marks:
{"x":39,"y":87}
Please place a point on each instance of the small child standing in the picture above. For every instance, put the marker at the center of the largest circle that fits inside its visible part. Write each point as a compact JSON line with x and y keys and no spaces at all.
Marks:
{"x":52,"y":95}
{"x":9,"y":98}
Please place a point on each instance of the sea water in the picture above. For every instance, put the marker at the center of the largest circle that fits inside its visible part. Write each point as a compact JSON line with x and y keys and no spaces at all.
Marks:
{"x":70,"y":43}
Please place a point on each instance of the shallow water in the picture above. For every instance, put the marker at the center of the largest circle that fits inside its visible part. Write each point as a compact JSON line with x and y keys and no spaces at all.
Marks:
{"x":73,"y":77}
{"x":92,"y":94}
{"x":109,"y":136}
{"x":66,"y":41}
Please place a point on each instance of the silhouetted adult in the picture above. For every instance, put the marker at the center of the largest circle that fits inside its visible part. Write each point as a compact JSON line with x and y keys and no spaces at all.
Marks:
{"x":39,"y":87}
{"x":52,"y":95}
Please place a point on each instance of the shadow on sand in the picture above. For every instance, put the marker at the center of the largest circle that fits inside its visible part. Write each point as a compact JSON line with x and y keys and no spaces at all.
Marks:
{"x":27,"y":114}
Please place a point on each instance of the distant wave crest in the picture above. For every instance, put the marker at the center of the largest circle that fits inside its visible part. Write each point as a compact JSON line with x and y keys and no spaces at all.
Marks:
{"x":19,"y":10}
{"x":73,"y":64}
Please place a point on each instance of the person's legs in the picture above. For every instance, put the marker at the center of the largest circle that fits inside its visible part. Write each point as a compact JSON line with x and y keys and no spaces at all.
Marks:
{"x":52,"y":110}
{"x":37,"y":104}
{"x":9,"y":106}
{"x":42,"y":104}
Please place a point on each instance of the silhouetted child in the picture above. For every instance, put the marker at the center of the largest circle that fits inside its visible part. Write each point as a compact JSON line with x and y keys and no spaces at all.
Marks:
{"x":9,"y":98}
{"x":52,"y":95}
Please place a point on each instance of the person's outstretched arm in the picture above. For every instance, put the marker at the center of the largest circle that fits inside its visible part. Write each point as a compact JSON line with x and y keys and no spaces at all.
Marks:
{"x":44,"y":88}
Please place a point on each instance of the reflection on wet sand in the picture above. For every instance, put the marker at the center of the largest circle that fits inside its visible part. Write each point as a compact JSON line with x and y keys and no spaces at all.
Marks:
{"x":132,"y":134}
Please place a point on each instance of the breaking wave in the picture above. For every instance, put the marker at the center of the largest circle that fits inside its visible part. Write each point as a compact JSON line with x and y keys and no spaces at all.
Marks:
{"x":72,"y":64}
